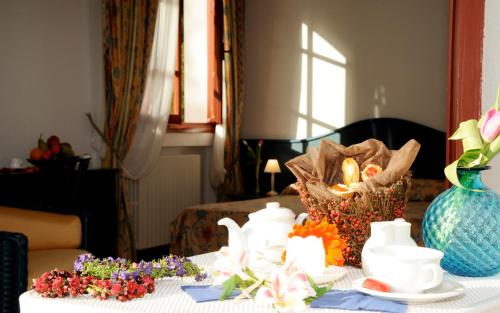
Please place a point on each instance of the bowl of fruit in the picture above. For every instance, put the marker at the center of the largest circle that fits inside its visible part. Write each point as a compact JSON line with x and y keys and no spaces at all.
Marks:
{"x":54,"y":155}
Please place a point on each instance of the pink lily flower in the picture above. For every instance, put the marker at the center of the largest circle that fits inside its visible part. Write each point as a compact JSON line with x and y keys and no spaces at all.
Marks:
{"x":229,"y":263}
{"x":288,"y":289}
{"x":490,"y":128}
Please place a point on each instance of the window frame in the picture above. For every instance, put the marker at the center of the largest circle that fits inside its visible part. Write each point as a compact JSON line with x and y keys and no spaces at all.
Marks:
{"x":214,"y":75}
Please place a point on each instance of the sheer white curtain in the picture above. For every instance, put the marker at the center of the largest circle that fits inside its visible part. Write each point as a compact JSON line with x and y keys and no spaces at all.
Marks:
{"x":155,"y":108}
{"x":217,"y":170}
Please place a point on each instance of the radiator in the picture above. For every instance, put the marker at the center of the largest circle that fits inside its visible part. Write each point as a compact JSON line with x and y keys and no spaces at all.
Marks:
{"x":158,"y":198}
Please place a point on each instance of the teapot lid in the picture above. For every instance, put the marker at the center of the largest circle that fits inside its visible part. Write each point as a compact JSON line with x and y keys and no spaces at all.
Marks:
{"x":273,"y":211}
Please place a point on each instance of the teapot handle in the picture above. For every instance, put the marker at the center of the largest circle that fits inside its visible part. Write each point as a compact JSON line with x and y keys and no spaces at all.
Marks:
{"x":301,"y":218}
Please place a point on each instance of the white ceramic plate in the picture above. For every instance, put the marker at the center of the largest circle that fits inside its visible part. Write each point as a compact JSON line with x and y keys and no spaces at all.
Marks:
{"x":445,"y":290}
{"x":331,"y":273}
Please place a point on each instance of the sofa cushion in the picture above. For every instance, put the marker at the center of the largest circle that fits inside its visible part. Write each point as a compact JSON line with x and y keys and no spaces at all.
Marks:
{"x":44,"y":230}
{"x":41,"y":261}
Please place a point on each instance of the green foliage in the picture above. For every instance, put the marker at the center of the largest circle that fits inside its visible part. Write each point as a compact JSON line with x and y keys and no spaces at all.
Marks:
{"x":229,"y":285}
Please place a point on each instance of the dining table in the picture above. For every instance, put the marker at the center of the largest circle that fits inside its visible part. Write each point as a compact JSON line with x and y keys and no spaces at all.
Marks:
{"x":482,"y":295}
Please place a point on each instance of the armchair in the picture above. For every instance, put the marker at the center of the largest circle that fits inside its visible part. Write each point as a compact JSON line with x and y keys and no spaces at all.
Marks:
{"x":32,"y":242}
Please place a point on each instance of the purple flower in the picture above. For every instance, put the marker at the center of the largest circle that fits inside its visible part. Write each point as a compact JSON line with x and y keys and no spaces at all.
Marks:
{"x":180,"y":271}
{"x":200,"y":276}
{"x":172,"y":264}
{"x":148,"y":268}
{"x":135,"y":274}
{"x":80,"y":260}
{"x":124,"y":275}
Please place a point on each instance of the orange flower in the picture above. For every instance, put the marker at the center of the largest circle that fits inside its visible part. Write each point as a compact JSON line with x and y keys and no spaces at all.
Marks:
{"x":332,"y":242}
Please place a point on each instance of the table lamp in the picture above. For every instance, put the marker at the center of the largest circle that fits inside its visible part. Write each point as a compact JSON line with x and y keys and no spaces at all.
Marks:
{"x":272,"y":166}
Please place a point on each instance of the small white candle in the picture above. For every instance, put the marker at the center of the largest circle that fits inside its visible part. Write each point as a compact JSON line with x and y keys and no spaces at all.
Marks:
{"x":307,"y":253}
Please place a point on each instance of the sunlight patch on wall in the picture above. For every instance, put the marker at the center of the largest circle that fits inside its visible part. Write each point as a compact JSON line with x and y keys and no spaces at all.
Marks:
{"x":303,"y":86}
{"x":328,"y":96}
{"x":323,"y":85}
{"x":324,"y":48}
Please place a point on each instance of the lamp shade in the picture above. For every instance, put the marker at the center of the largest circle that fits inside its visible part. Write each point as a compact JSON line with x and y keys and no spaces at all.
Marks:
{"x":272,"y":166}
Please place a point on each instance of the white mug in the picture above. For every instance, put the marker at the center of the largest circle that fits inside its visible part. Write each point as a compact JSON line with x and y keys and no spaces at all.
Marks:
{"x":407,"y":269}
{"x":307,"y":253}
{"x":16,"y":163}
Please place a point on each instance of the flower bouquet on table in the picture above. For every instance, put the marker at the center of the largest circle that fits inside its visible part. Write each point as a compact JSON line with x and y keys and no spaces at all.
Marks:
{"x":288,"y":287}
{"x":113,"y":278}
{"x":354,"y":186}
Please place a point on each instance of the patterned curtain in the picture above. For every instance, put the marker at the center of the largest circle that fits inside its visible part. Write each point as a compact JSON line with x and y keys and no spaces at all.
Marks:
{"x":128,"y":29}
{"x":233,"y":25}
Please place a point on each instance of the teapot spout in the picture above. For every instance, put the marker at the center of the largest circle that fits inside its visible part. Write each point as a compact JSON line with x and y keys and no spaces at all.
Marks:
{"x":237,"y":240}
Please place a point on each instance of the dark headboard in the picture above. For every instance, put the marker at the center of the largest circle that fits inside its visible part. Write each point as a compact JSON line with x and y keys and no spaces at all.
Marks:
{"x":393,"y":132}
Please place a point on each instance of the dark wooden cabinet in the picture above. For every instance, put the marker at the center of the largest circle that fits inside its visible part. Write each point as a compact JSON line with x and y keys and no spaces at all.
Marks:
{"x":92,"y":193}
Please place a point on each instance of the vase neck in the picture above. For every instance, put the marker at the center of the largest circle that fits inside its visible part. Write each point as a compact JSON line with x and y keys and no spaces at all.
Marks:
{"x":471,"y":178}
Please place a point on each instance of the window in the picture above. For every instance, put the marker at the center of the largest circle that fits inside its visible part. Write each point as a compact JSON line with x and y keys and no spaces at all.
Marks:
{"x":197,"y":96}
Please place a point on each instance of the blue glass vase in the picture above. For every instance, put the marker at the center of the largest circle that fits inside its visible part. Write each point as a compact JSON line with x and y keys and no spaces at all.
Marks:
{"x":465,"y":226}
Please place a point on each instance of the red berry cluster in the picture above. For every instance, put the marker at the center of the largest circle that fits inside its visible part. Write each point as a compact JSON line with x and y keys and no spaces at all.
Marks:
{"x":59,"y":284}
{"x":121,"y":289}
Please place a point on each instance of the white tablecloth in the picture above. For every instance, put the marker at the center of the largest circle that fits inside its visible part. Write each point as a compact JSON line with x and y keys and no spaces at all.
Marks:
{"x":481,"y":295}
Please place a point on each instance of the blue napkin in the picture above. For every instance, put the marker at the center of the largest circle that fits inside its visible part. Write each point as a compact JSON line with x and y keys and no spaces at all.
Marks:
{"x":354,"y":300}
{"x":206,"y":293}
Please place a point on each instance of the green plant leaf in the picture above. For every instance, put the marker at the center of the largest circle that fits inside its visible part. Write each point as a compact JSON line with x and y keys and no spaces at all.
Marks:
{"x":228,"y":286}
{"x":472,"y":158}
{"x":471,"y":137}
{"x":319,"y":290}
{"x":451,"y":173}
{"x":250,"y":273}
{"x":457,"y":135}
{"x":493,"y":148}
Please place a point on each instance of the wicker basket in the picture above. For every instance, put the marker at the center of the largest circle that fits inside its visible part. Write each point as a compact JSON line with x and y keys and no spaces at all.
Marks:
{"x":354,"y":215}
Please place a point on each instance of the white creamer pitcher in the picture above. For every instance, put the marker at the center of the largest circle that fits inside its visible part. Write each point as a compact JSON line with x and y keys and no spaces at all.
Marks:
{"x":385,"y":233}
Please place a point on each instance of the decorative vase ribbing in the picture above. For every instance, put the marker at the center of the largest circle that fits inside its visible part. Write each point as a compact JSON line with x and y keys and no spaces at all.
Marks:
{"x":465,"y":225}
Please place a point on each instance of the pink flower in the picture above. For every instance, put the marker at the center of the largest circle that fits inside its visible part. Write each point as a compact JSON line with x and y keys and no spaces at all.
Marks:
{"x":288,"y":289}
{"x":490,"y":128}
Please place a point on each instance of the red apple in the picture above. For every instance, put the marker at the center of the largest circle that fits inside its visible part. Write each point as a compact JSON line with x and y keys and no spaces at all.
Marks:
{"x":53,"y":140}
{"x":47,"y":155}
{"x":56,"y":149}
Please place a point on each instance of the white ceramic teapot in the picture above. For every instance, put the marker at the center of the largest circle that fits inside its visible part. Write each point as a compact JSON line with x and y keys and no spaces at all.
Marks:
{"x":385,"y":233}
{"x":265,"y":235}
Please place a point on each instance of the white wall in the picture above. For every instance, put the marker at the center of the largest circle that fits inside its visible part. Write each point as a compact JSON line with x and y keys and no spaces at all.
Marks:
{"x":50,"y":73}
{"x":491,"y":77}
{"x":396,"y":60}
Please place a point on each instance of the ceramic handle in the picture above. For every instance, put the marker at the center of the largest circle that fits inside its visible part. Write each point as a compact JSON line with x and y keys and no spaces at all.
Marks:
{"x":301,"y":218}
{"x":437,"y":276}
